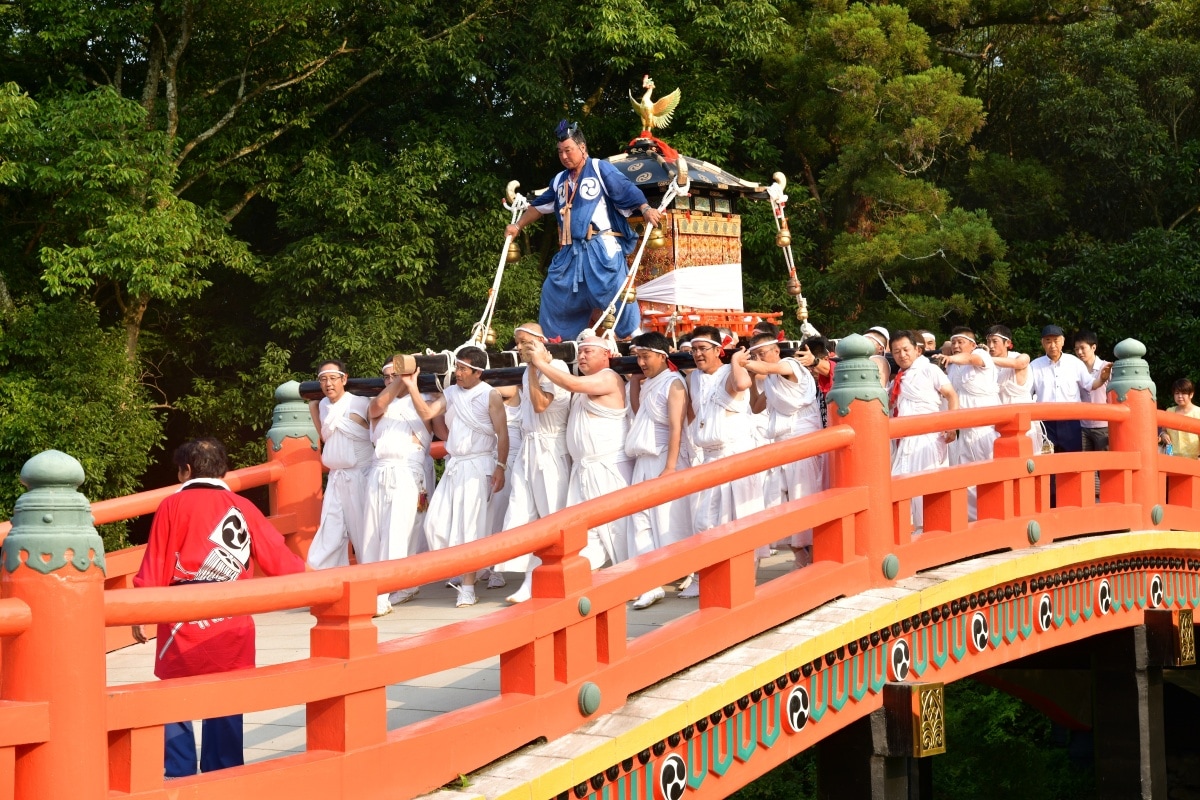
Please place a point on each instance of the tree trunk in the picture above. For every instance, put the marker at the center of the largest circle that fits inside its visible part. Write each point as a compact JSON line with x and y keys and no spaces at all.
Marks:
{"x":134,"y":311}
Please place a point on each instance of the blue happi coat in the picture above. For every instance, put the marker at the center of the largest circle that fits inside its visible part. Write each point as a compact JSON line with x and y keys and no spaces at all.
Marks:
{"x":584,"y":275}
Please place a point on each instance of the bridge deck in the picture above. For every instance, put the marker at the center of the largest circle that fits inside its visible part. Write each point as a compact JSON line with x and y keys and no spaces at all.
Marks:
{"x":284,"y":636}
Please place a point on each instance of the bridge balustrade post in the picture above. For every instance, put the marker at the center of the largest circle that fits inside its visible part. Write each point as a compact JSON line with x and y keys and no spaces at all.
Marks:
{"x":1016,"y":498}
{"x":53,"y":560}
{"x":345,"y":630}
{"x":858,"y":400}
{"x":564,"y":655}
{"x":293,"y":441}
{"x":1131,"y":386}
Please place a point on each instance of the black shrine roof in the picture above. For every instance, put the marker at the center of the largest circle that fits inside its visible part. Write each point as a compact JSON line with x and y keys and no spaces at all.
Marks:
{"x":643,"y":165}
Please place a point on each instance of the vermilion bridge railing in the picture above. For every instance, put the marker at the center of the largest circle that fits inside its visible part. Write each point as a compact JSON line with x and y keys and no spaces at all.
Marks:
{"x":564,"y":656}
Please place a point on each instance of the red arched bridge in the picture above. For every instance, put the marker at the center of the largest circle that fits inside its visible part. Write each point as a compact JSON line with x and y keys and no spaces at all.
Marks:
{"x":866,"y":635}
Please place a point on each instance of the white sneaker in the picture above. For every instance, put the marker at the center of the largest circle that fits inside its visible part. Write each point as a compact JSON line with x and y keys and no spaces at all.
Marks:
{"x":692,"y":591}
{"x":649,"y":598}
{"x":686,"y":582}
{"x":496,"y":581}
{"x":466,"y":595}
{"x":382,"y":606}
{"x":403,"y":595}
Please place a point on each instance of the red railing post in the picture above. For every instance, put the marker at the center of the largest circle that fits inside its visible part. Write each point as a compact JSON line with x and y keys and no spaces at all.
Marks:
{"x":344,"y":630}
{"x":858,"y":400}
{"x":1131,"y":385}
{"x":570,"y":652}
{"x":53,"y":560}
{"x":292,"y":440}
{"x":1009,"y":499}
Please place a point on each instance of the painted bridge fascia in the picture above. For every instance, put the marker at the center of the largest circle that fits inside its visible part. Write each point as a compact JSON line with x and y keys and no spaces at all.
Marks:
{"x":621,"y":754}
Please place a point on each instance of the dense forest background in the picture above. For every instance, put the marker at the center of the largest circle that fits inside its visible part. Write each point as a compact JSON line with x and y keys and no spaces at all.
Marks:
{"x":199,"y":199}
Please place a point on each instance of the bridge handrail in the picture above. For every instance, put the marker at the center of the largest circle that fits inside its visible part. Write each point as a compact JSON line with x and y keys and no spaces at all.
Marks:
{"x":135,"y":505}
{"x":560,"y":648}
{"x":995,"y":415}
{"x":195,"y":601}
{"x":1178,"y":422}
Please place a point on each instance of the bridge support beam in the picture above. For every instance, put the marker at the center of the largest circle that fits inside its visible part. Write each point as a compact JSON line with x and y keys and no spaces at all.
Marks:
{"x":1130,"y":744}
{"x":876,"y":758}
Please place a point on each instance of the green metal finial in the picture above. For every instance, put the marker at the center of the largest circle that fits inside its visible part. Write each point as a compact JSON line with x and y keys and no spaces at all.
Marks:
{"x":291,"y":418}
{"x":856,"y":376}
{"x":1130,"y":371}
{"x":52,"y":519}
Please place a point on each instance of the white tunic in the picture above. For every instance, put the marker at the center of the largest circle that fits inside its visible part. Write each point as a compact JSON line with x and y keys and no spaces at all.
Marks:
{"x":919,"y":394}
{"x":977,"y":387}
{"x":458,"y":508}
{"x":647,"y":443}
{"x":723,"y":427}
{"x":920,"y":387}
{"x":793,"y":409}
{"x":498,"y":507}
{"x":397,"y":492}
{"x":596,"y":441}
{"x":346,"y":444}
{"x":346,"y":451}
{"x":542,"y":468}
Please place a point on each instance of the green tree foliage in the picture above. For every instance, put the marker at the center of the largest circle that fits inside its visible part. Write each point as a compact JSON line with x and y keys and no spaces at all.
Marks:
{"x":890,"y":244}
{"x":997,"y":747}
{"x":237,"y":190}
{"x":65,"y":384}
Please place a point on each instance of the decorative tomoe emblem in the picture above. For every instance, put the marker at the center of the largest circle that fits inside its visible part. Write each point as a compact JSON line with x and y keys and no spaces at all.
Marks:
{"x":900,"y":660}
{"x":979,"y":631}
{"x":1045,"y":612}
{"x":1104,"y":596}
{"x":635,"y":166}
{"x":1156,"y":591}
{"x":672,"y":777}
{"x":589,"y":187}
{"x":797,"y":709}
{"x":645,"y":176}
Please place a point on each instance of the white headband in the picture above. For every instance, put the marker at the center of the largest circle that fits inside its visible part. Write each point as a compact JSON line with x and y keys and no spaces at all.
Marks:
{"x":540,"y":336}
{"x":710,"y":341}
{"x":753,"y":347}
{"x":331,"y":372}
{"x":388,"y":364}
{"x":458,"y":362}
{"x":964,"y":337}
{"x":597,"y":342}
{"x":999,"y":336}
{"x":652,"y":350}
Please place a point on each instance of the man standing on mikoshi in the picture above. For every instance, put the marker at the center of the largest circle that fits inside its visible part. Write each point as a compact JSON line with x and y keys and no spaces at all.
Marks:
{"x":591,"y":200}
{"x":204,"y":533}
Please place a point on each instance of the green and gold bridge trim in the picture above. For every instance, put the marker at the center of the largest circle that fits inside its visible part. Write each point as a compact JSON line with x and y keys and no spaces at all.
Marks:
{"x":723,"y":723}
